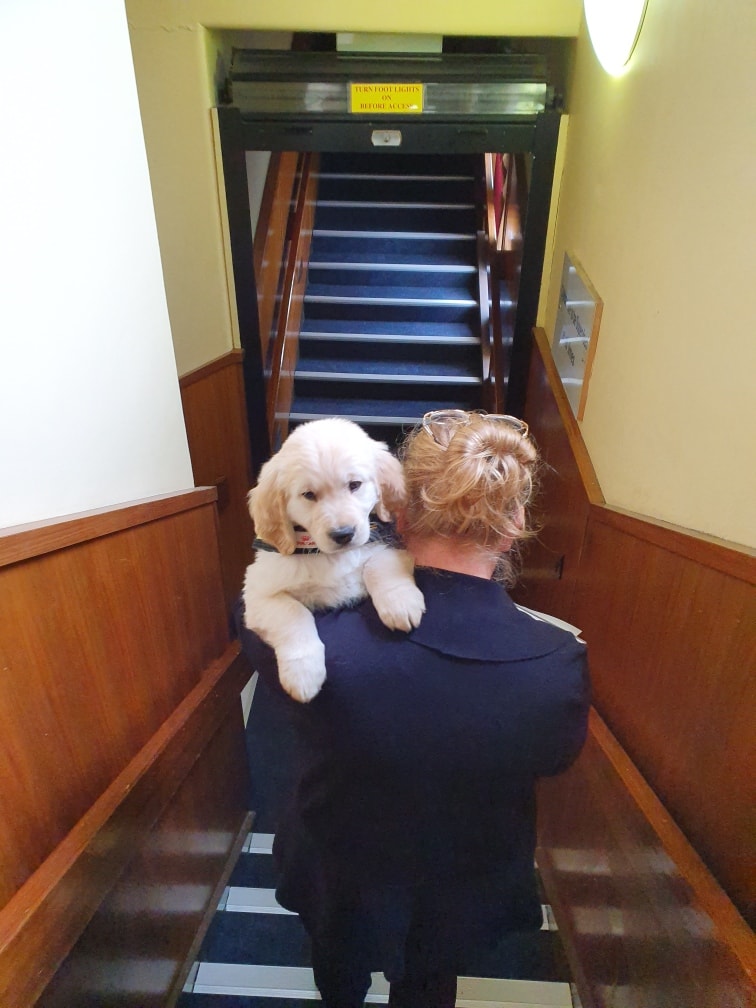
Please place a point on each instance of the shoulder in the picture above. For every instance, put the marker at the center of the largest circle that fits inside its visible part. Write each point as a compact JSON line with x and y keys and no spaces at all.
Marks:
{"x":470,"y":617}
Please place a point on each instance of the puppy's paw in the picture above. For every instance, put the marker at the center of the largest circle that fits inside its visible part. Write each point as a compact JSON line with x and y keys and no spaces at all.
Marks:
{"x":302,"y":676}
{"x":400,"y":607}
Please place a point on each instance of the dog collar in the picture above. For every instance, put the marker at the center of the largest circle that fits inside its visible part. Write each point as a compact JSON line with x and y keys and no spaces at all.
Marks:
{"x":380,"y":531}
{"x":305,"y":544}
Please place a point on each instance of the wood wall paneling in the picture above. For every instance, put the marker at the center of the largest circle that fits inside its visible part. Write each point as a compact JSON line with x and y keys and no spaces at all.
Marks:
{"x":673,"y":656}
{"x":551,"y":561}
{"x":118,"y":672}
{"x":134,"y":950}
{"x":79,"y":627}
{"x":216,"y":428}
{"x":669,"y":618}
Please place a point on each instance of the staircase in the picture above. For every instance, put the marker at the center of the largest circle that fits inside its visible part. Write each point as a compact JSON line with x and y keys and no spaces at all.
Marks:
{"x":392,"y":309}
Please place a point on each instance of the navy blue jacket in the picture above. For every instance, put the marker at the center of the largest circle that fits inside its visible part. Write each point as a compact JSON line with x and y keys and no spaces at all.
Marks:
{"x":421,"y":754}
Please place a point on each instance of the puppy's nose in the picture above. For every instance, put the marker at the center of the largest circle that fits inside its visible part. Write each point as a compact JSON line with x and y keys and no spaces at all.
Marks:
{"x":342,"y":535}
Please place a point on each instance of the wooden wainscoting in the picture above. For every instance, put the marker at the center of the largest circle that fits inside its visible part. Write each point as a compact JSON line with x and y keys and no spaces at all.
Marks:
{"x":216,"y":428}
{"x":673,"y":656}
{"x":119,"y":718}
{"x":669,"y":618}
{"x":643,"y":921}
{"x":567,"y":488}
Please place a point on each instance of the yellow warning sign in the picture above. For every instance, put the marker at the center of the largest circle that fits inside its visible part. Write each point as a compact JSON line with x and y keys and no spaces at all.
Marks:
{"x":382,"y":99}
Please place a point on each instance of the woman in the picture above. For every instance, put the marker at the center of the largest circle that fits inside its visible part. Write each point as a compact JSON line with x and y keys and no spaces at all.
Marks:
{"x":411,"y":836}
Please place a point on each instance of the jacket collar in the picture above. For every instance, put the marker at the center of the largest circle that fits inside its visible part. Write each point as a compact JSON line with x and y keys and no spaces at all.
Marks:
{"x":470,"y":617}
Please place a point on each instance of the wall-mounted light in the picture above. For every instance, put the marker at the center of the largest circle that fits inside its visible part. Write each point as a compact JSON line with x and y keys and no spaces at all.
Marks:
{"x":614,"y":27}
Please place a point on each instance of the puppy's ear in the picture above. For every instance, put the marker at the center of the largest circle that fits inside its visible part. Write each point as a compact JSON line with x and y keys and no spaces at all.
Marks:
{"x":267,"y":506}
{"x":390,"y":479}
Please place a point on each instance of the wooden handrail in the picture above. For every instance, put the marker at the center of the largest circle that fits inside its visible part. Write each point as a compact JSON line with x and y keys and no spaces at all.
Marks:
{"x":278,"y":392}
{"x":270,"y":243}
{"x":503,"y":245}
{"x":21,"y":542}
{"x":276,"y":361}
{"x":623,"y":881}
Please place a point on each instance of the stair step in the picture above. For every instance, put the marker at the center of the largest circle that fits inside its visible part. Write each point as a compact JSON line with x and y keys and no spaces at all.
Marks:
{"x":399,"y":163}
{"x":444,"y":219}
{"x":426,"y":267}
{"x":399,"y":188}
{"x":392,"y":256}
{"x":401,"y":247}
{"x":399,"y":357}
{"x":385,"y":176}
{"x":418,"y":340}
{"x":398,"y":377}
{"x":380,"y":205}
{"x":378,"y":409}
{"x":382,"y":295}
{"x":373,"y":234}
{"x":406,"y":282}
{"x":440,"y":337}
{"x":388,"y":311}
{"x":332,"y":385}
{"x":356,"y":411}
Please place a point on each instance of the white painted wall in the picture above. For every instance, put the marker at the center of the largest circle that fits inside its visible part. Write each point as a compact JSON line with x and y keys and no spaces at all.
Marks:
{"x":90,"y":412}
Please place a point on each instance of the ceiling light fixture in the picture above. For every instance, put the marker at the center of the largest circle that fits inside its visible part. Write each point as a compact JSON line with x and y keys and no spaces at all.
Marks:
{"x":614,"y":27}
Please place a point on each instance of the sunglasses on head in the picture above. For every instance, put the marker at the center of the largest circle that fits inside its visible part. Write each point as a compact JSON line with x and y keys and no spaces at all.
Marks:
{"x":441,"y":425}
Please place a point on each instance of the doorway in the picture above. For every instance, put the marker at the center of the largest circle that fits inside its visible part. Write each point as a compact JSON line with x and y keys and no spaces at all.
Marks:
{"x":471,"y":105}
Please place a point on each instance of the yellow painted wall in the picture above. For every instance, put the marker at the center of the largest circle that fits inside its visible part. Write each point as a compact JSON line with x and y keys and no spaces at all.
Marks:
{"x":658,"y":203}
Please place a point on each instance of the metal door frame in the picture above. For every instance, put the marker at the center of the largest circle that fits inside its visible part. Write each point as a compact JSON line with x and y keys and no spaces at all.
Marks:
{"x":240,"y":133}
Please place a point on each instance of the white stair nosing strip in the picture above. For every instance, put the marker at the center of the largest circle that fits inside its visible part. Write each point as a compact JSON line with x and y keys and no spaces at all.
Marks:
{"x":397,"y":178}
{"x":252,"y":899}
{"x":385,"y":205}
{"x":298,"y":982}
{"x":396,"y":267}
{"x":400,"y":302}
{"x":259,"y":843}
{"x":401,"y":235}
{"x":248,"y":899}
{"x":379,"y":420}
{"x":256,"y":981}
{"x":386,"y":379}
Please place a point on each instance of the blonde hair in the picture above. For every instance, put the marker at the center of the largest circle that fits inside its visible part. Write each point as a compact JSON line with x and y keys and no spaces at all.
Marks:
{"x":475,"y":488}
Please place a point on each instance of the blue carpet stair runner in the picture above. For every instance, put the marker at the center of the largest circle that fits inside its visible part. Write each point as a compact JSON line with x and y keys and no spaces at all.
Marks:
{"x":391,"y":322}
{"x":256,"y":955}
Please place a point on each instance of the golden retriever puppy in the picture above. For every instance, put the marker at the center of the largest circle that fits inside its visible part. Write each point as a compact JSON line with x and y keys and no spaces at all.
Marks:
{"x":314,"y":509}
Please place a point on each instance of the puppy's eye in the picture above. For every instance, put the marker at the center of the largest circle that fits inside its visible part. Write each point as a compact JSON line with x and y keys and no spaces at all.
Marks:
{"x":310,"y":495}
{"x":355,"y":485}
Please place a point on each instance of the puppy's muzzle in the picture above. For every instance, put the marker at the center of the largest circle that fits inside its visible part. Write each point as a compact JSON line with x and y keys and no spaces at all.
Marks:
{"x":343,"y":535}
